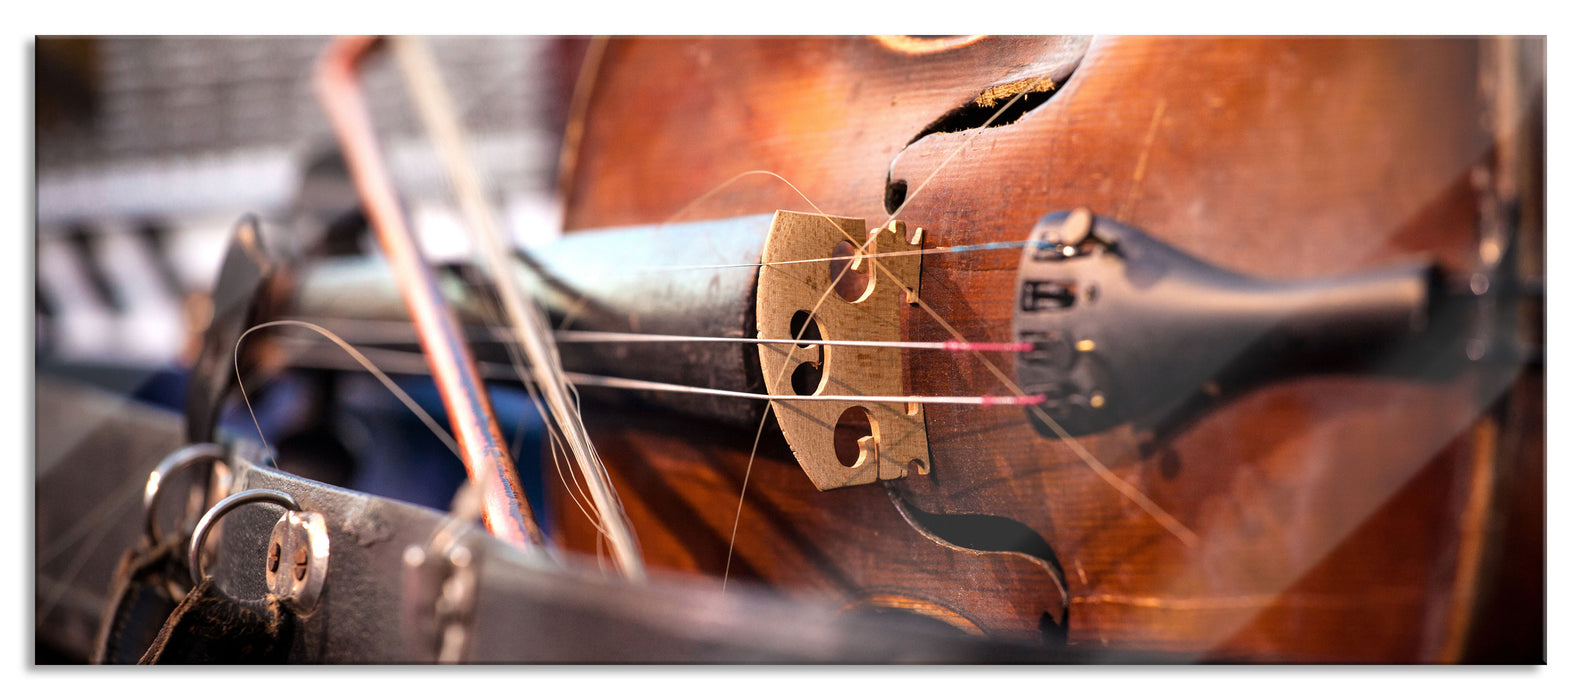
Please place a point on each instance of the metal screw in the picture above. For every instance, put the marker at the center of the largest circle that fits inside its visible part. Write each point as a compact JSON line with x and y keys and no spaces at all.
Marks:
{"x":300,"y":544}
{"x":1075,"y":228}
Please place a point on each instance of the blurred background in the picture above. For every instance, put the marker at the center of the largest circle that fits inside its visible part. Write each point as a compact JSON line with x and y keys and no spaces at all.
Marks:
{"x":149,"y":150}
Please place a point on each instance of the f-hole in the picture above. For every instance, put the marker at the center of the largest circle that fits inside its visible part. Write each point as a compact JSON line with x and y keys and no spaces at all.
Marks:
{"x":988,"y":533}
{"x":1026,"y":94}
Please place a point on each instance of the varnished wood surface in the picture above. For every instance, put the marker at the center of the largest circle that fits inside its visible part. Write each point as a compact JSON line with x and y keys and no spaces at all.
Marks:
{"x":1329,"y":511}
{"x":681,"y":486}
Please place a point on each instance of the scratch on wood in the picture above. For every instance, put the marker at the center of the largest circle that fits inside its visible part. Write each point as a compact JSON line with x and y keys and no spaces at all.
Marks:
{"x":1253,"y":601}
{"x":1142,"y":160}
{"x":1388,"y":597}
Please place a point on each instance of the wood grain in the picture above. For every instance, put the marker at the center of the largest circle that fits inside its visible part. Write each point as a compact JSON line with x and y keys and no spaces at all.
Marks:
{"x":1328,"y":509}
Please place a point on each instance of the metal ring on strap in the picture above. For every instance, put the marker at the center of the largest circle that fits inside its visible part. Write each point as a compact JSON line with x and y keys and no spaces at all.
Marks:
{"x":226,"y":505}
{"x":200,"y":453}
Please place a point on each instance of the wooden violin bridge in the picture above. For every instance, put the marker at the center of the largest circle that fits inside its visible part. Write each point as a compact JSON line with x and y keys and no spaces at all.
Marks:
{"x":803,"y":294}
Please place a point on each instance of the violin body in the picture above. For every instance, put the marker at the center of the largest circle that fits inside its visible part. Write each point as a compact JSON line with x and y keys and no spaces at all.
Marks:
{"x":1335,"y":517}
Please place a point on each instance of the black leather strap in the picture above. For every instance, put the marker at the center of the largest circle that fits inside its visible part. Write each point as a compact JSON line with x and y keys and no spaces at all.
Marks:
{"x":143,"y":601}
{"x":210,"y":627}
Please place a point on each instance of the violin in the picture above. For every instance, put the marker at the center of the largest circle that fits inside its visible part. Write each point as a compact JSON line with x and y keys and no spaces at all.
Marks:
{"x":1238,"y":326}
{"x":1193,"y":348}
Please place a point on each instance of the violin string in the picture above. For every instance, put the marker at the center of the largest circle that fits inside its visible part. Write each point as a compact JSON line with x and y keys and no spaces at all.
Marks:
{"x":493,"y":370}
{"x":645,"y":385}
{"x":365,"y":332}
{"x":730,"y":549}
{"x":579,"y":305}
{"x":948,"y":345}
{"x":942,"y":250}
{"x":1160,"y":515}
{"x":557,"y":449}
{"x":423,"y":416}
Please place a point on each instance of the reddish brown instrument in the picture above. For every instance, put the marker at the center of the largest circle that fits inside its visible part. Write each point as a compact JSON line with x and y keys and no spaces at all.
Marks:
{"x":1340,"y":518}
